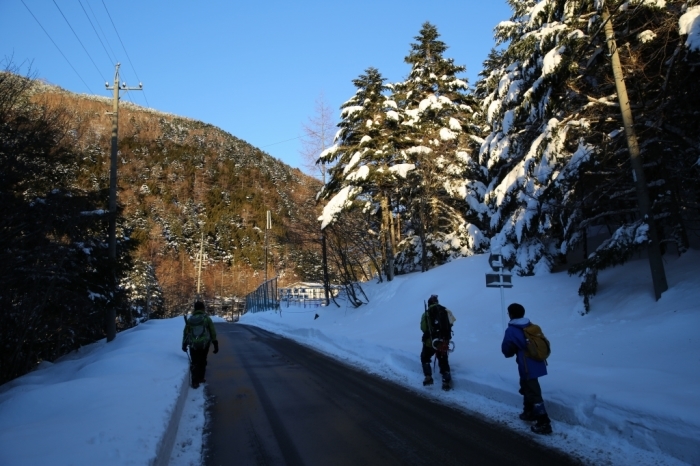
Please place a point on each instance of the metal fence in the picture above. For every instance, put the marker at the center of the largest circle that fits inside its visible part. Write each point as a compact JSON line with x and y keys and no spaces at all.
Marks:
{"x":264,"y":298}
{"x":303,"y":302}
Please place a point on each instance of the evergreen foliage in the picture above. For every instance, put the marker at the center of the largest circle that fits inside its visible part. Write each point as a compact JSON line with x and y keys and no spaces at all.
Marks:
{"x":557,"y":159}
{"x":533,"y":164}
{"x":439,"y":136}
{"x":366,"y":170}
{"x":57,"y":281}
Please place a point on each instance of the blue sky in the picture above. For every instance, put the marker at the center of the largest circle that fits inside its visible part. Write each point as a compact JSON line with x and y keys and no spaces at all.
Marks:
{"x":254,"y":69}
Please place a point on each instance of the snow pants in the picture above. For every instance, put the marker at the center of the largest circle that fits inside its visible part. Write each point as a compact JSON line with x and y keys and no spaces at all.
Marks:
{"x":426,"y":356}
{"x":199,"y":364}
{"x":531,"y":392}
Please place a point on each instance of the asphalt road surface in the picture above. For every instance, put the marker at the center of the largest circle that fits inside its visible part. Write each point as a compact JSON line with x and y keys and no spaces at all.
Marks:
{"x":275,"y":402}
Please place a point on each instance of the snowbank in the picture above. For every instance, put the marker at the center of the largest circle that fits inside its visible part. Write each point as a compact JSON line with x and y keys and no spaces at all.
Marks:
{"x":625,"y":374}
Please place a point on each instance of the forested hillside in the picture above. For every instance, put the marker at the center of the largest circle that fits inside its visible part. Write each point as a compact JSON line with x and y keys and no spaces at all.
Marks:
{"x":543,"y":160}
{"x":182,"y":180}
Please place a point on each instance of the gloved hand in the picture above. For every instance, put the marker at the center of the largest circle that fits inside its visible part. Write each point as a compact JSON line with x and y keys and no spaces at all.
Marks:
{"x":184,"y":348}
{"x":216,"y":346}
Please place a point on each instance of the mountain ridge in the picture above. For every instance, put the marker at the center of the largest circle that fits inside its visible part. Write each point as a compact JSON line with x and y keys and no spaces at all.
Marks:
{"x":181,"y":180}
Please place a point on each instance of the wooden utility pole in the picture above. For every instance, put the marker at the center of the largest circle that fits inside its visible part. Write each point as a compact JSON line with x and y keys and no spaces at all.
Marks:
{"x":111,"y":324}
{"x":326,"y":281}
{"x":658,"y":274}
{"x":199,"y":268}
{"x":268,"y":226}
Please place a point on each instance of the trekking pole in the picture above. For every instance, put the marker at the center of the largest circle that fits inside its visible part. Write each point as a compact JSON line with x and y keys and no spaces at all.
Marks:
{"x":191,"y":367}
{"x":189,"y":358}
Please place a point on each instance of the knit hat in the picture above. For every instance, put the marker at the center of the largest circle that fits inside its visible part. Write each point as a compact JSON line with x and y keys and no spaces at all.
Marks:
{"x":433,"y":299}
{"x":199,"y":306}
{"x":516,"y":311}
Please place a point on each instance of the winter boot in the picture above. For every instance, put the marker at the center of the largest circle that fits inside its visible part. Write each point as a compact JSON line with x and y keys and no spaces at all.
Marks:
{"x":528,"y":413}
{"x":543,"y":425}
{"x":428,"y":373}
{"x":446,"y":381}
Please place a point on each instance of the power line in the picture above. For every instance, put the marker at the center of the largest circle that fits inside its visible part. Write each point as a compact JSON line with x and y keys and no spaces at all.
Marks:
{"x":102,"y":30}
{"x":98,"y":36}
{"x":81,"y":42}
{"x":54,"y":43}
{"x":279,"y":142}
{"x":127,"y":53}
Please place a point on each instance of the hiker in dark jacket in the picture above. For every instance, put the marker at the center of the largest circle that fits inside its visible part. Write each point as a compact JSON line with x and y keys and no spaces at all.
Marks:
{"x":199,"y":321}
{"x":529,"y":369}
{"x":436,"y":324}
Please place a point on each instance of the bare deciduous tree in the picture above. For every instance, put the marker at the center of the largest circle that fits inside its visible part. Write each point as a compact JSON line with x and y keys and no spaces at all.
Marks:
{"x":319,"y":131}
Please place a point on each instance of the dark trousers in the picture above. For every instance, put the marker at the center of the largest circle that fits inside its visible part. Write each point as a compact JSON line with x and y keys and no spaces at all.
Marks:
{"x":199,"y":363}
{"x":426,"y":355}
{"x":531,"y":392}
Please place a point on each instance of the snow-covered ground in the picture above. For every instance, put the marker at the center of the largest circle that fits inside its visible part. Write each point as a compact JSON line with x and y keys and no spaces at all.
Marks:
{"x":622,"y":387}
{"x":624,"y":380}
{"x":106,"y":404}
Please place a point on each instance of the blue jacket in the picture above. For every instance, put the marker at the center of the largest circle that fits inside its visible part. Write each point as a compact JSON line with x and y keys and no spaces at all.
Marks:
{"x":514,"y":345}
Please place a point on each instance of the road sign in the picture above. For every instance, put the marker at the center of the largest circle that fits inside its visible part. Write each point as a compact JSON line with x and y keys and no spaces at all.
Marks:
{"x":499,"y":280}
{"x":496,"y":262}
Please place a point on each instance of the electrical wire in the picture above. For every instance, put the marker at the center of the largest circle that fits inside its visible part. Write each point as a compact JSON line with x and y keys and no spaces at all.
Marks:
{"x":56,"y":45}
{"x":128,"y":96}
{"x":98,"y":36}
{"x":127,"y":53}
{"x":279,"y":142}
{"x":81,"y":42}
{"x":102,"y":31}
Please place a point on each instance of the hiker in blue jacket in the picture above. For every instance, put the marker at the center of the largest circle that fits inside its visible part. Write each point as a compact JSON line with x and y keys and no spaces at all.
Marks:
{"x":529,"y":369}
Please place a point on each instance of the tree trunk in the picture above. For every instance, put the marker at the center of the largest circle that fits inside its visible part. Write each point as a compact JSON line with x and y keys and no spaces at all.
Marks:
{"x":657,"y":267}
{"x":386,"y":238}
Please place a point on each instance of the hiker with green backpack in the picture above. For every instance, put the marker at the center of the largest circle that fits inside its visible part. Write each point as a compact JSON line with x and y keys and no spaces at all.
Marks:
{"x":436,"y":325}
{"x":527,"y":343}
{"x":198,"y":334}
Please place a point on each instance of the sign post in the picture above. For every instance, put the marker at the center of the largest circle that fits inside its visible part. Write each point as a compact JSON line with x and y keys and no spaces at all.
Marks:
{"x":501,"y":279}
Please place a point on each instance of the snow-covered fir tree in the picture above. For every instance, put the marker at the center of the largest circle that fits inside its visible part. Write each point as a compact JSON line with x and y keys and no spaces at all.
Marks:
{"x":439,"y":136}
{"x":557,"y":157}
{"x":143,"y":291}
{"x":366,"y":170}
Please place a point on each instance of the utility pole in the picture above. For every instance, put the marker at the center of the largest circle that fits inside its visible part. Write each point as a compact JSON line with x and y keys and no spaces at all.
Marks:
{"x":111,"y":325}
{"x":199,"y":268}
{"x":658,"y":274}
{"x":324,"y":254}
{"x":326,"y":284}
{"x":268,"y":226}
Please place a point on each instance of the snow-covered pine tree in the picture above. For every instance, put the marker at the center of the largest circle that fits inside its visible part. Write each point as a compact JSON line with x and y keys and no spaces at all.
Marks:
{"x":366,"y":171}
{"x":523,"y":88}
{"x":439,"y":136}
{"x":144,"y":292}
{"x":558,"y":163}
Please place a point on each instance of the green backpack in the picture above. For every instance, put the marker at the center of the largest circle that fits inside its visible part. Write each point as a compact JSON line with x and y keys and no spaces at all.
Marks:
{"x":198,"y":336}
{"x":537,"y":344}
